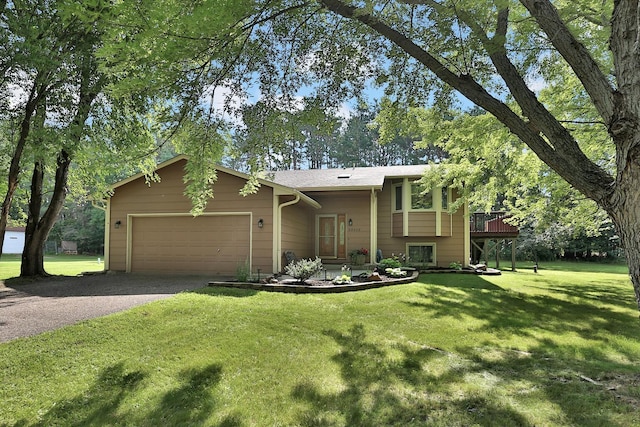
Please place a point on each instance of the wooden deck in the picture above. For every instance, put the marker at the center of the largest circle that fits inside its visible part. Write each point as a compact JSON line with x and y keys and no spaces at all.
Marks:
{"x":491,"y":226}
{"x":489,"y":231}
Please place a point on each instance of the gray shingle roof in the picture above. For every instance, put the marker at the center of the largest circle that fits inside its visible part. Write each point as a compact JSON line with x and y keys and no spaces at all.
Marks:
{"x":343,"y":179}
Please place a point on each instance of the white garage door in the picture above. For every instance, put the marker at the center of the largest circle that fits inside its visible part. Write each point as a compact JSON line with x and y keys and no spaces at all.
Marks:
{"x":184,"y":244}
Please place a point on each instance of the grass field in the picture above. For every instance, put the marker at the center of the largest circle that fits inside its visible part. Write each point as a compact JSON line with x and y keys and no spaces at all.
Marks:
{"x":555,"y":348}
{"x":68,"y":265}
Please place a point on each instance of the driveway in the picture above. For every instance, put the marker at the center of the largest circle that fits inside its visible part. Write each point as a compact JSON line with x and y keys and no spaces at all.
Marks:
{"x":47,"y":304}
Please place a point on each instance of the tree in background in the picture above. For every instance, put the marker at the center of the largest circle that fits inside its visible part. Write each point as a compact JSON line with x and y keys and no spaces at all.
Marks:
{"x":82,"y":223}
{"x":313,"y":138}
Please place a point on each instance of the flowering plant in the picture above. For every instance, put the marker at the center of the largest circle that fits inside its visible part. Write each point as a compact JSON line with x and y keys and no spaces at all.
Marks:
{"x":342,"y":280}
{"x":361,"y":251}
{"x":395,"y":272}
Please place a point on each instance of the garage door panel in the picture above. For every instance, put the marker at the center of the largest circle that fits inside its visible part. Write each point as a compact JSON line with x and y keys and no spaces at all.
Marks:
{"x":205,"y":244}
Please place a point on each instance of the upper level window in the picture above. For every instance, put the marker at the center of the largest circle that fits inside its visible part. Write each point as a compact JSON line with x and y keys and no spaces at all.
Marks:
{"x":445,"y":198}
{"x":398,"y":197}
{"x":420,"y":201}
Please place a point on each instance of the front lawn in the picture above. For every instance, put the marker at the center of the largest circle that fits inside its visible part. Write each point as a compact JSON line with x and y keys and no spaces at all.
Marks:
{"x":550,"y":349}
{"x":67,"y":265}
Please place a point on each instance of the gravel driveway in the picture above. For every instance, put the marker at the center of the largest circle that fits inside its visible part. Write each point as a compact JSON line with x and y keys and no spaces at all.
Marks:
{"x":47,"y":304}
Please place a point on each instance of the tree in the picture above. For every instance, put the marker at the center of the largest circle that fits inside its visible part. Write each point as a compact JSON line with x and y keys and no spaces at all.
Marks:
{"x":421,"y":51}
{"x":55,"y":89}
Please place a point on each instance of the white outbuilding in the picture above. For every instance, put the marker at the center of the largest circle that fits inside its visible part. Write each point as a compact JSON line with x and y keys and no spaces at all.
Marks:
{"x":13,"y":240}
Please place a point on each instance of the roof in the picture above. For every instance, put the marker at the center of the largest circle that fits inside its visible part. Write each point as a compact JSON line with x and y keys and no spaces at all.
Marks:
{"x":279,"y":188}
{"x":344,"y":179}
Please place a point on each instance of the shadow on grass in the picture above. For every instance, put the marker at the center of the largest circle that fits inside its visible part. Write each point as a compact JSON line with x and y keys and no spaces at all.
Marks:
{"x":596,"y":292}
{"x":462,"y":281}
{"x":556,"y":363}
{"x":583,"y":267}
{"x":415,"y":385}
{"x":505,"y":311}
{"x":401,"y":382}
{"x":191,"y":403}
{"x":391,"y":387}
{"x":95,"y":406}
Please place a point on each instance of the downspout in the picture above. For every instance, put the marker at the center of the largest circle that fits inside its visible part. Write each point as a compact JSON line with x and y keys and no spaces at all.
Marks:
{"x":373,"y":238}
{"x":437,"y":202}
{"x":279,"y":230}
{"x":406,"y":204}
{"x":107,"y":230}
{"x":467,"y":235}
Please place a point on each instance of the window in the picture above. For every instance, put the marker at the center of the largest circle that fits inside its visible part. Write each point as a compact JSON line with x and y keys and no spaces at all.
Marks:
{"x":445,"y":198}
{"x":421,"y":253}
{"x":398,"y":197}
{"x":420,"y":201}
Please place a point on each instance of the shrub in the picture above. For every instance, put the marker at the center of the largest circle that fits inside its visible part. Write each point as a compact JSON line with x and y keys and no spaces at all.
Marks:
{"x":303,"y":269}
{"x":389,"y":263}
{"x":455,"y":265}
{"x":243,"y":271}
{"x":395,"y":272}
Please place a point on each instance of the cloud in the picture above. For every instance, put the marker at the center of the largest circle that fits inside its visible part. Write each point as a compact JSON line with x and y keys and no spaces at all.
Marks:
{"x":537,"y":84}
{"x":345,"y":111}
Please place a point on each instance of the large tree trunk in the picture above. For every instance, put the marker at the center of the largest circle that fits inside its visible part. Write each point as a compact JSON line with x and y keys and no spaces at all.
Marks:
{"x":13,"y":179}
{"x":38,"y":229}
{"x":628,"y":226}
{"x":32,"y":262}
{"x":624,"y":209}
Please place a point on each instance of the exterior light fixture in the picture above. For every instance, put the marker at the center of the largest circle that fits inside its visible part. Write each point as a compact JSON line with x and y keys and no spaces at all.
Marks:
{"x":260,"y":223}
{"x":350,"y":222}
{"x":117,"y":224}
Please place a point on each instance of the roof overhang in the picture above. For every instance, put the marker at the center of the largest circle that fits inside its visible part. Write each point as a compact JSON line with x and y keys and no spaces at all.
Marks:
{"x":277,"y":188}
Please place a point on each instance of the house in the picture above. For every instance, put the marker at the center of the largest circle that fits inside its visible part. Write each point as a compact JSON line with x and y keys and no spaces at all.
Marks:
{"x":326,"y":213}
{"x":13,"y":240}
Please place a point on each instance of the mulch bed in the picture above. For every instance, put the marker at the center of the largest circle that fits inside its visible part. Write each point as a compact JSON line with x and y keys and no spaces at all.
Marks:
{"x":317,"y":286}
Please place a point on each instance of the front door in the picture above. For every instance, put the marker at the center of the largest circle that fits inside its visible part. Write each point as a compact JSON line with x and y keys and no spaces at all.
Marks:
{"x":327,"y":236}
{"x":331,"y":236}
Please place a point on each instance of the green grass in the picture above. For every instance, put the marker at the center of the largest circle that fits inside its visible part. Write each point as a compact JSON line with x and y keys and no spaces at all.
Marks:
{"x":66,"y":265}
{"x":550,"y":349}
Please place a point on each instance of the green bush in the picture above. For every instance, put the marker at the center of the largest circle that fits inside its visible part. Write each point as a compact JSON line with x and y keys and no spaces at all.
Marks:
{"x":455,"y":265}
{"x":389,"y":263}
{"x":303,"y":269}
{"x":243,"y":271}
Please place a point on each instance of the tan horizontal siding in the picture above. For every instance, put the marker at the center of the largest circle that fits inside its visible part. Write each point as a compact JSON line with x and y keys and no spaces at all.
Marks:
{"x":422,"y":224}
{"x":397,"y":229}
{"x":449,"y":247}
{"x":167,"y":197}
{"x":446,"y":224}
{"x":297,"y":231}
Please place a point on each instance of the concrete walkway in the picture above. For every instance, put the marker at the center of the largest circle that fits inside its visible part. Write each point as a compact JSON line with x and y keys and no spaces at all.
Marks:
{"x":47,"y":304}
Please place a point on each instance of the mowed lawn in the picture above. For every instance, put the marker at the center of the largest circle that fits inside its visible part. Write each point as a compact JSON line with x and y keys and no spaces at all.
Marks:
{"x":556,"y":348}
{"x":69,"y":265}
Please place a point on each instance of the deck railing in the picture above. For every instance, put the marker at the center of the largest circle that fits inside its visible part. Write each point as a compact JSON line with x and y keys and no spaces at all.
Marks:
{"x":491,"y":223}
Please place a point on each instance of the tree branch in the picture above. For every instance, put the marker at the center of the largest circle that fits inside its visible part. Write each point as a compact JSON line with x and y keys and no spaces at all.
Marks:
{"x":577,"y":168}
{"x":576,"y":55}
{"x":593,"y":181}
